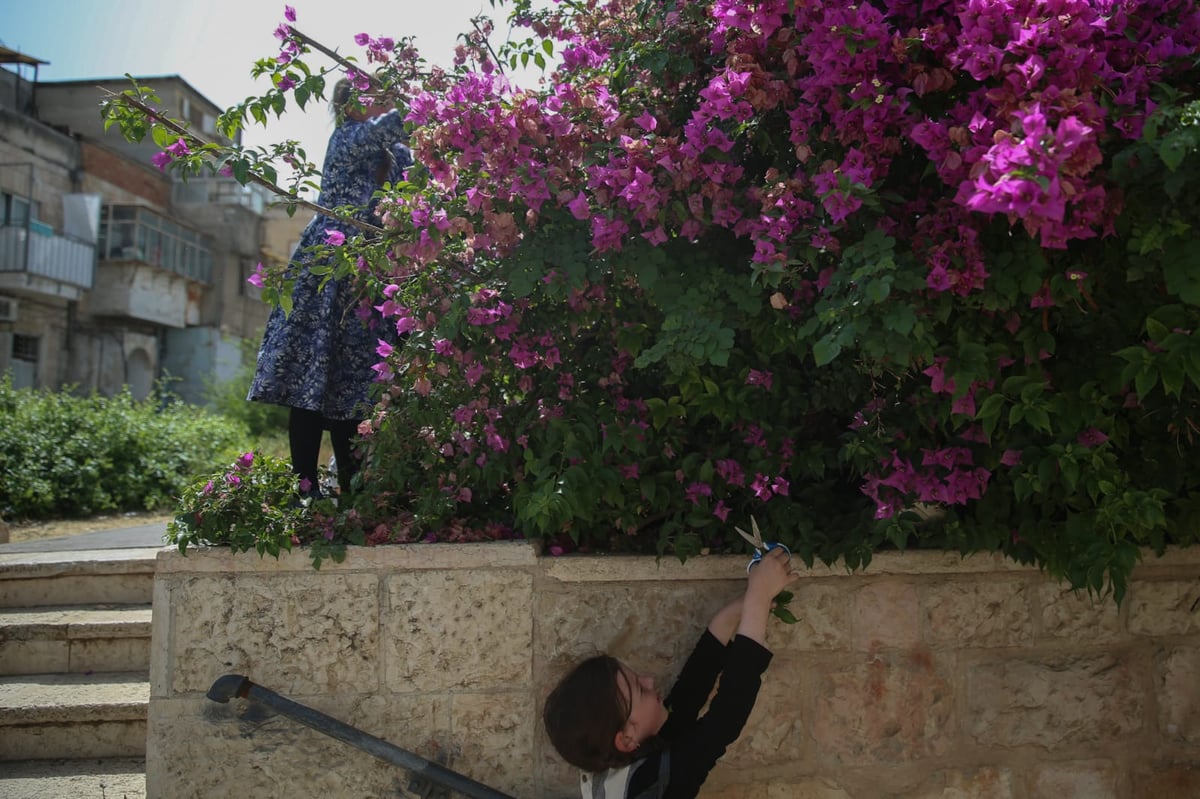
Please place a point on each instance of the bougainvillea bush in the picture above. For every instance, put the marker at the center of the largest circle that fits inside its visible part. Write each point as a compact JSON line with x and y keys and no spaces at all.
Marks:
{"x":888,"y":274}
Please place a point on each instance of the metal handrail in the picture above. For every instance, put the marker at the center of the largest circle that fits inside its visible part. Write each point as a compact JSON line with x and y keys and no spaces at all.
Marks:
{"x":231,"y":685}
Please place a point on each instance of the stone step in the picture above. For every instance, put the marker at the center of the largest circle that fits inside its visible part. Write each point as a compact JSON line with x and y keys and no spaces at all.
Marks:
{"x":112,"y":576}
{"x":74,"y":639}
{"x":54,"y":716}
{"x":117,"y":778}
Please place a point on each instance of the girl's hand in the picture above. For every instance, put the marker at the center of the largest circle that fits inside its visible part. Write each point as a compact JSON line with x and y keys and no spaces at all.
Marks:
{"x":770,"y":576}
{"x":767,"y":578}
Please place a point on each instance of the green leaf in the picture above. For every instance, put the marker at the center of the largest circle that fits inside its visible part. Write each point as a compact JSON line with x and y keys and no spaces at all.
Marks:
{"x":784,"y":615}
{"x":878,"y":290}
{"x":825,"y":350}
{"x":1174,"y":149}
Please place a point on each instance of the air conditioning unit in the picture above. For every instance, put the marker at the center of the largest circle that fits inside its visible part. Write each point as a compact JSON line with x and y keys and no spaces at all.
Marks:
{"x":8,"y":309}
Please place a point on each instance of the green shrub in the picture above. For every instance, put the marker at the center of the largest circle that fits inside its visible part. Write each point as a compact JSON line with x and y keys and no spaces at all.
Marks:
{"x":66,"y":455}
{"x":253,"y":503}
{"x":228,"y":398}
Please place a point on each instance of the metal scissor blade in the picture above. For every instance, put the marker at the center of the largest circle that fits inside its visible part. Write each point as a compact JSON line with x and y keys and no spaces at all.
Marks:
{"x":755,"y":540}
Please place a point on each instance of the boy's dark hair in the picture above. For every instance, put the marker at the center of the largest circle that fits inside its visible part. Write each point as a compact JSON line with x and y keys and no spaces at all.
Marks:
{"x":584,"y":713}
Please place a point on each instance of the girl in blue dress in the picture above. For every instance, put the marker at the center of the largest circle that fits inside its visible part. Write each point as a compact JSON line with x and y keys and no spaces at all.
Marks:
{"x":317,"y":359}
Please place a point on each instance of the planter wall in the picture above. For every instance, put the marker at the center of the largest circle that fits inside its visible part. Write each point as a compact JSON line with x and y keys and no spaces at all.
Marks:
{"x":925,"y":676}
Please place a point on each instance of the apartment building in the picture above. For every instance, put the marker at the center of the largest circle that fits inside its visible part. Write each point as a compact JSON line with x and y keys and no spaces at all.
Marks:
{"x":112,"y":272}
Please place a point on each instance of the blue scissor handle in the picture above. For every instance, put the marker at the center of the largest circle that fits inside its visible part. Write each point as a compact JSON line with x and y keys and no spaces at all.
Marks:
{"x":758,"y":554}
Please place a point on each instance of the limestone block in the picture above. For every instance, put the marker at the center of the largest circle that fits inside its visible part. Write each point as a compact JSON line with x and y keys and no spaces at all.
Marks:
{"x":1167,"y":781}
{"x":822,"y":612}
{"x":714,"y":789}
{"x":1177,"y":683}
{"x":110,"y":654}
{"x":495,"y":732}
{"x":298,"y":634}
{"x":891,"y":708}
{"x":1165,"y":607}
{"x":985,"y":783}
{"x":557,"y":778}
{"x":652,"y":626}
{"x":1077,"y":616}
{"x":807,"y":789}
{"x":34,"y":657}
{"x":1061,"y":701}
{"x":774,"y":733}
{"x":458,"y":629}
{"x":886,"y":616}
{"x":247,"y":751}
{"x":740,"y":788}
{"x":977,"y":614}
{"x":1095,"y":779}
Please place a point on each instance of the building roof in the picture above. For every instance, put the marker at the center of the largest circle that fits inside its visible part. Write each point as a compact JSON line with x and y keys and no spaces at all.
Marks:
{"x":9,"y":56}
{"x":144,"y":80}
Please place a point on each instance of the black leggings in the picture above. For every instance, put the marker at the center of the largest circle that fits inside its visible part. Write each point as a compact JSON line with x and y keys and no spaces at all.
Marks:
{"x":304,"y":435}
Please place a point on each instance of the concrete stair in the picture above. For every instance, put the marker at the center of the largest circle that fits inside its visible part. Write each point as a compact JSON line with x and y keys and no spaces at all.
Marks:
{"x":74,"y":673}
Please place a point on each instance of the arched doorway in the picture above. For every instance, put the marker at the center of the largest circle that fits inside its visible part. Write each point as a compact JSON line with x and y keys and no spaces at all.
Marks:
{"x":139,"y":374}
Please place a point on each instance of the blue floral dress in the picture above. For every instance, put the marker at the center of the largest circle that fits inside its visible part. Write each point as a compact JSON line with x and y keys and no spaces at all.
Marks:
{"x":319,"y":357}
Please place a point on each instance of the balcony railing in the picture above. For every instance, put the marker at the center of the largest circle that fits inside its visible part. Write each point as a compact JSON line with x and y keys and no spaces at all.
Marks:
{"x":133,"y":233}
{"x":220,"y":191}
{"x":38,"y":250}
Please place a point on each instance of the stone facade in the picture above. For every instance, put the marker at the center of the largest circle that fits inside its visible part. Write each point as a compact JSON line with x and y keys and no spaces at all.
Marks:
{"x":923,"y":676}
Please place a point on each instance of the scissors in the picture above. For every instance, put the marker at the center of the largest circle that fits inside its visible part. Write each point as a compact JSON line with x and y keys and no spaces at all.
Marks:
{"x":756,"y":541}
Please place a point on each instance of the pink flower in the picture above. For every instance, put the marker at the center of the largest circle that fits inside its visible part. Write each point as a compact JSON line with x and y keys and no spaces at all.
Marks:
{"x":721,"y":511}
{"x":757,"y":378}
{"x":246,"y":460}
{"x":1092,"y":437}
{"x":305,"y":485}
{"x":1011,"y":457}
{"x":647,"y":121}
{"x":256,"y":279}
{"x":1043,"y":299}
{"x":579,"y":207}
{"x":289,"y":13}
{"x":761,"y":487}
{"x":384,"y":349}
{"x":161,"y":160}
{"x":697,"y":490}
{"x":474,"y":373}
{"x":335,"y":238}
{"x":208,"y":488}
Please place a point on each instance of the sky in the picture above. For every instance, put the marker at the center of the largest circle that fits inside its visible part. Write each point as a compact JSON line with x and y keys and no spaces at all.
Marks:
{"x":212,"y":44}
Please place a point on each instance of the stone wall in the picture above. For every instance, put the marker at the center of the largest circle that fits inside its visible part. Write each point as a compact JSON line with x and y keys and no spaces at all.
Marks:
{"x":924,"y":676}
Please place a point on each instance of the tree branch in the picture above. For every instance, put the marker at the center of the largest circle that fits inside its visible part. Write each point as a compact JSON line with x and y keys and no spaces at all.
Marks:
{"x":198,"y":142}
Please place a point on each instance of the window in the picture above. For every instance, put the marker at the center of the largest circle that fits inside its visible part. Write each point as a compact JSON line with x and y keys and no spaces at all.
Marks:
{"x":24,"y":360}
{"x":16,"y":210}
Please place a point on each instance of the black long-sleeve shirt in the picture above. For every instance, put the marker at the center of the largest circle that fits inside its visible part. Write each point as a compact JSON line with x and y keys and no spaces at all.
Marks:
{"x":695,"y":744}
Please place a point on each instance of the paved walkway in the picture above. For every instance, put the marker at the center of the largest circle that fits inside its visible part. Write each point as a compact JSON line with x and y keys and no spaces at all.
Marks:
{"x":146,"y":535}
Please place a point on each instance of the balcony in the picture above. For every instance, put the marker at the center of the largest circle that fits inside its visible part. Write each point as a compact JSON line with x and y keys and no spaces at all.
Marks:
{"x":221,"y":191}
{"x":36,"y":259}
{"x":135,"y":234}
{"x":151,"y":268}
